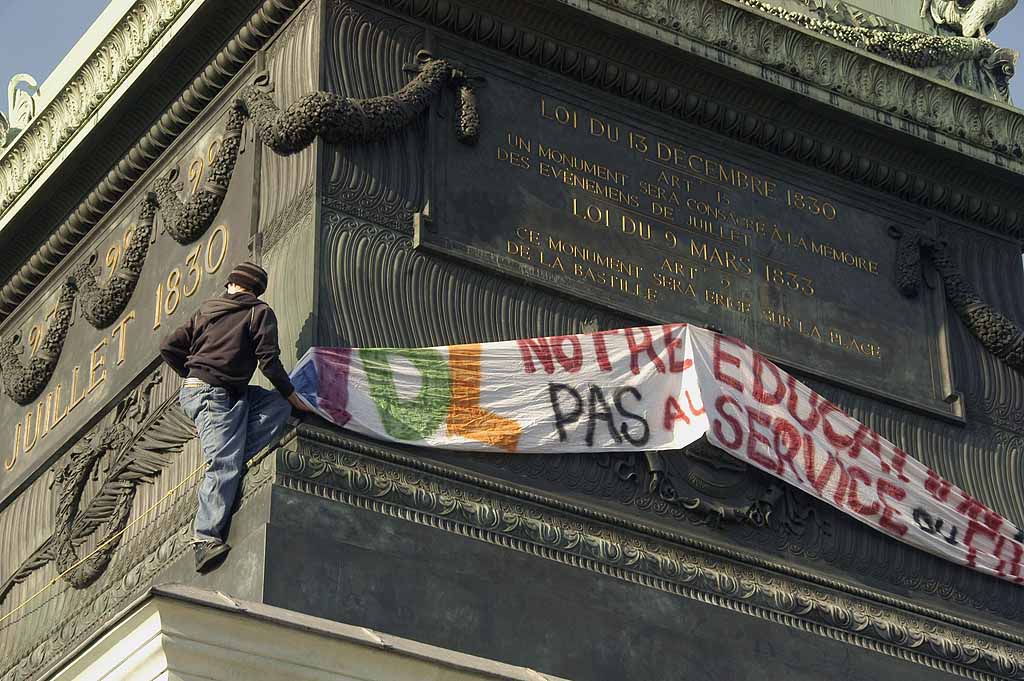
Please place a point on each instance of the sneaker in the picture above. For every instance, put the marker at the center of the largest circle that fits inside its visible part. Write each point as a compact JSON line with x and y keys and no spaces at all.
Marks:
{"x":209,"y":554}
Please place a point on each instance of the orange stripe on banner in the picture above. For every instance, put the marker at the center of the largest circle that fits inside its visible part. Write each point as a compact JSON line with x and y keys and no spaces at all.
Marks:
{"x":466,"y":418}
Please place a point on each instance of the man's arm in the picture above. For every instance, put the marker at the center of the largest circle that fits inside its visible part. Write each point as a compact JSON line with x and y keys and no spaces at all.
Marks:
{"x":176,"y":347}
{"x":268,"y":353}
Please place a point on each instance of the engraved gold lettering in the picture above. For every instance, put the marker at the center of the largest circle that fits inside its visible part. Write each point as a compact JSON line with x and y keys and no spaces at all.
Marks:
{"x":559,"y":113}
{"x":211,"y":151}
{"x":173,"y":297}
{"x":119,"y":333}
{"x":213,"y":263}
{"x":159,"y":306}
{"x":728,"y":302}
{"x":595,"y":256}
{"x":519,"y":249}
{"x":193,"y":270}
{"x":75,"y":401}
{"x":30,"y":426}
{"x":600,"y":128}
{"x":195,"y":173}
{"x":94,"y":364}
{"x":56,"y":417}
{"x":8,"y":465}
{"x":579,"y":164}
{"x":674,"y":285}
{"x":113,"y":257}
{"x":45,"y":420}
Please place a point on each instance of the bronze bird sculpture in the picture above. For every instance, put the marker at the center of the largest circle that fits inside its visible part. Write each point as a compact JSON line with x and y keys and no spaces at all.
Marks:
{"x":973,"y":18}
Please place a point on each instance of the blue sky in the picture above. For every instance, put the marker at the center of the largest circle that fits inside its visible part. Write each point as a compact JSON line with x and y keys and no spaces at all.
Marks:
{"x":1010,"y":33}
{"x":38,"y":33}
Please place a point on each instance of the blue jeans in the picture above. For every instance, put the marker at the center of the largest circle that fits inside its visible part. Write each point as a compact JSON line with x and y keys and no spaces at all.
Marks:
{"x":231,"y":431}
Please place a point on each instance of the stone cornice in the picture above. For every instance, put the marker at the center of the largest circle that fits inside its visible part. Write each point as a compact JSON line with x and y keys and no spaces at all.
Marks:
{"x":725,"y":32}
{"x":750,"y":40}
{"x":270,"y":15}
{"x":883,"y":151}
{"x":138,"y":32}
{"x":384,"y":480}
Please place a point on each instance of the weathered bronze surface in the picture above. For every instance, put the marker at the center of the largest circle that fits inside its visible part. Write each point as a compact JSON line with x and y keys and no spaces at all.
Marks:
{"x":662,"y":222}
{"x":94,"y":365}
{"x":357,"y":185}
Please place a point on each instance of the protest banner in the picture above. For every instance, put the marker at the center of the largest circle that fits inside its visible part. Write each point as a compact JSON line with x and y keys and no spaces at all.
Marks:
{"x":655,"y":388}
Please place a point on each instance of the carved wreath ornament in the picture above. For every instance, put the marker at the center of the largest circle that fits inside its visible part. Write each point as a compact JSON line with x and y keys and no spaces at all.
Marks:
{"x":335,"y":119}
{"x":133,"y":447}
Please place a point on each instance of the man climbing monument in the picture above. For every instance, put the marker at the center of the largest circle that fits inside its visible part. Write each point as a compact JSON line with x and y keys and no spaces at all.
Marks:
{"x":217,"y":352}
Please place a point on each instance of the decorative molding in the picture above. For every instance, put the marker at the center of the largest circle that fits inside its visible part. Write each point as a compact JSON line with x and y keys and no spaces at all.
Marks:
{"x":23,"y":384}
{"x":137,"y":443}
{"x":65,"y":617}
{"x":976,"y":64}
{"x":748,"y":34}
{"x":354,"y":446}
{"x":214,"y":78}
{"x":795,"y":527}
{"x":131,"y":39}
{"x":916,"y":50}
{"x":102,"y":305}
{"x":513,"y":518}
{"x":745,"y":30}
{"x":719,"y":106}
{"x":994,"y":330}
{"x":402,"y":484}
{"x":339,"y":120}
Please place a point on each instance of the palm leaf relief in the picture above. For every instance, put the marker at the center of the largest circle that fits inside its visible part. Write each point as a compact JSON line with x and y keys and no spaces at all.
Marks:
{"x":138,"y":446}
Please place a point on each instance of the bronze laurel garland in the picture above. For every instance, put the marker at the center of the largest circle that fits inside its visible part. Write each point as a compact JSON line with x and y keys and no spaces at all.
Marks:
{"x":344,"y":120}
{"x":336,"y":119}
{"x":997,"y":333}
{"x":188,"y":221}
{"x":23,"y":384}
{"x":101,"y":306}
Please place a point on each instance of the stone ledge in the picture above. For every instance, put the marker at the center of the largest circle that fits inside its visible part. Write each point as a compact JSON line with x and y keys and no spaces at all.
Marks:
{"x":343,"y":469}
{"x":185,"y":632}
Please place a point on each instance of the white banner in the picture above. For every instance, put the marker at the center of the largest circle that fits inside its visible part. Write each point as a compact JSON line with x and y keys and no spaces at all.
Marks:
{"x":654,"y":388}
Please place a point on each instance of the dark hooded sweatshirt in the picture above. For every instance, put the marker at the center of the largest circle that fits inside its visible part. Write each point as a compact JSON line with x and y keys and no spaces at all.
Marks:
{"x":223,"y":343}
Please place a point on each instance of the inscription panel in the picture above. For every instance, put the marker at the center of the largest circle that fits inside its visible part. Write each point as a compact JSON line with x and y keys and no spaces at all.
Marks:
{"x":633,"y":211}
{"x":97,"y":365}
